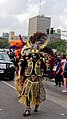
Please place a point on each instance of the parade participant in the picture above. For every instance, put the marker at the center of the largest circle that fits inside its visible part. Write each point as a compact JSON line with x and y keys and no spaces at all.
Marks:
{"x":21,"y":75}
{"x":33,"y":92}
{"x":17,"y":58}
{"x":17,"y":46}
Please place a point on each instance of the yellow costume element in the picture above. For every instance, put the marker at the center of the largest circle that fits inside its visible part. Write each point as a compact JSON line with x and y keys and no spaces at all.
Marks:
{"x":17,"y":85}
{"x":33,"y":87}
{"x":33,"y":92}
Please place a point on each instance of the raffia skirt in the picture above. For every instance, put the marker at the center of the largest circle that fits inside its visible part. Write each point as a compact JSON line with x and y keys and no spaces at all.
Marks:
{"x":33,"y":89}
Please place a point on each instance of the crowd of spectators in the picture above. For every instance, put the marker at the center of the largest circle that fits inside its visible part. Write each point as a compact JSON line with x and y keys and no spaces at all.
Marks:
{"x":53,"y":67}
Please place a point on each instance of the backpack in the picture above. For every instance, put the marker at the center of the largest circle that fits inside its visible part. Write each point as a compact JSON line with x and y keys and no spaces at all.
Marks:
{"x":65,"y":68}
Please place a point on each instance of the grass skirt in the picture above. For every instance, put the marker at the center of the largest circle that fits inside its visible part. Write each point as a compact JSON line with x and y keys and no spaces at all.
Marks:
{"x":34,"y":90}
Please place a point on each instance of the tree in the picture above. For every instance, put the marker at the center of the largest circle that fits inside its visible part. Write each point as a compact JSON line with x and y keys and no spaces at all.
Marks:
{"x":4,"y":43}
{"x":60,"y":46}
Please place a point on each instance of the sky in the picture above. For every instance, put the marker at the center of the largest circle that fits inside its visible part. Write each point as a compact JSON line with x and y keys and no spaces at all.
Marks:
{"x":15,"y":14}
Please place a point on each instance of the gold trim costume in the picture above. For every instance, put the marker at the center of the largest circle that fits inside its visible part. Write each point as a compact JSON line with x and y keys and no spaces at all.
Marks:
{"x":33,"y":92}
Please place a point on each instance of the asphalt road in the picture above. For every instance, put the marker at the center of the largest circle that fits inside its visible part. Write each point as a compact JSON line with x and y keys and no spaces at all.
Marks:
{"x":55,"y":107}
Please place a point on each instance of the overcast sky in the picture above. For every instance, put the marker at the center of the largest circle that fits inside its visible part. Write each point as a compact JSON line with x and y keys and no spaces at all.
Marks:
{"x":15,"y":14}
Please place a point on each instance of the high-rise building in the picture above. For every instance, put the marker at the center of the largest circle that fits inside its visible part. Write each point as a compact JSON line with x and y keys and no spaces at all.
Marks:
{"x":39,"y":23}
{"x":43,"y":24}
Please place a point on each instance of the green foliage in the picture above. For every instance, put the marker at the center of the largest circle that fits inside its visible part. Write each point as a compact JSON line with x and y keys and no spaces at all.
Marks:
{"x":60,"y":45}
{"x":4,"y":43}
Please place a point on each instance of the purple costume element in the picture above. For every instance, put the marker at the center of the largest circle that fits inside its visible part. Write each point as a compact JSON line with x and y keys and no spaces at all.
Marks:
{"x":59,"y":66}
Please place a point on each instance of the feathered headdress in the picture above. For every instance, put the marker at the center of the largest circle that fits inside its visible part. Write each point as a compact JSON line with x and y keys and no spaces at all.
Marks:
{"x":38,"y":41}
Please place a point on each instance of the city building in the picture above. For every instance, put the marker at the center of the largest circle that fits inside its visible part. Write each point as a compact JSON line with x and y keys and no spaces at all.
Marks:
{"x":12,"y":36}
{"x":56,"y":35}
{"x":43,"y":24}
{"x":39,"y":23}
{"x":5,"y":35}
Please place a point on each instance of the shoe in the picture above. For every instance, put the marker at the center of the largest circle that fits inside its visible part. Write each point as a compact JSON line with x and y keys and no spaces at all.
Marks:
{"x":27,"y":113}
{"x":55,"y":84}
{"x":36,"y":108}
{"x":64,"y":91}
{"x":59,"y":85}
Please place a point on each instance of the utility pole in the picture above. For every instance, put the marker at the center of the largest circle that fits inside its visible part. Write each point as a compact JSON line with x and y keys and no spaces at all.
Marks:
{"x":40,"y":8}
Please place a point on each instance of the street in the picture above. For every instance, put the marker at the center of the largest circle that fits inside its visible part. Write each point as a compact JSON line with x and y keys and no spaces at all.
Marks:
{"x":55,"y":107}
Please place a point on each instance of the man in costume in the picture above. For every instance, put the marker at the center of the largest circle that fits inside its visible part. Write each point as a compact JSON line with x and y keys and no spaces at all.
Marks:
{"x":33,"y":92}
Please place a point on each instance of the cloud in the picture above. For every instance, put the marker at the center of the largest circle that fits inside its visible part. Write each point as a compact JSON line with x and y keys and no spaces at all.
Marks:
{"x":15,"y":14}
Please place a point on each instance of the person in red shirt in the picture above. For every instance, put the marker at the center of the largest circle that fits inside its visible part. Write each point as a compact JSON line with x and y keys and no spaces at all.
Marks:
{"x":51,"y":65}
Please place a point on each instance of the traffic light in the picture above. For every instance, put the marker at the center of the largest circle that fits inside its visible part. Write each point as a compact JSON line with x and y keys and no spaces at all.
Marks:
{"x":47,"y":30}
{"x":51,"y":31}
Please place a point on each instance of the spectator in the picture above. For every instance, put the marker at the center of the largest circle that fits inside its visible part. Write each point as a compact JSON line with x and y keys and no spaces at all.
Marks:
{"x":65,"y":76}
{"x":62,"y":73}
{"x":58,"y":76}
{"x":51,"y":65}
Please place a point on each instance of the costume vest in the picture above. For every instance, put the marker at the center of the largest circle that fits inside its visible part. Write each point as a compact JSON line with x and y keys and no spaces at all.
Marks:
{"x":33,"y":68}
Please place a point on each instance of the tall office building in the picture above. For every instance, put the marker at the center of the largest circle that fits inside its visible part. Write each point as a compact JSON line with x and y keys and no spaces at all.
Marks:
{"x":39,"y":23}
